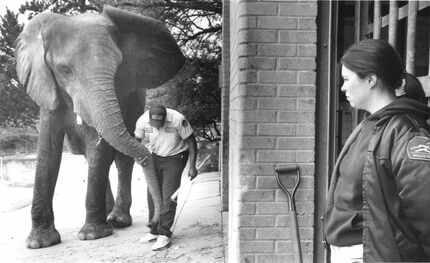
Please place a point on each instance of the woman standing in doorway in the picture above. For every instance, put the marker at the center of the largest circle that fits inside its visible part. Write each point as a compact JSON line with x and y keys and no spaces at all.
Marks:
{"x":378,"y":207}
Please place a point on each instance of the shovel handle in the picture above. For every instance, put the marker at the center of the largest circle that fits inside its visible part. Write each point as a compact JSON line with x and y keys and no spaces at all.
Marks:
{"x":296,"y":237}
{"x":285,"y":170}
{"x":290,"y":194}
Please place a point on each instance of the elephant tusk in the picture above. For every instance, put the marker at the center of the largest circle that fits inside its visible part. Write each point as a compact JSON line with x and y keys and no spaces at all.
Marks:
{"x":78,"y":119}
{"x":99,"y":139}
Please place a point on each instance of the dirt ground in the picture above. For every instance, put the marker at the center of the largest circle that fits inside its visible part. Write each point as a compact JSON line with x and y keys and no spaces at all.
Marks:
{"x":197,"y":233}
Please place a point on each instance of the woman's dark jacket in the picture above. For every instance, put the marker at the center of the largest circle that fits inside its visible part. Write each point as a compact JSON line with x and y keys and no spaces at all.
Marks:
{"x":396,"y":184}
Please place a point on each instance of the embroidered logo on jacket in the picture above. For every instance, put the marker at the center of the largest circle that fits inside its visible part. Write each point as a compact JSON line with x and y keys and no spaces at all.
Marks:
{"x":419,"y":148}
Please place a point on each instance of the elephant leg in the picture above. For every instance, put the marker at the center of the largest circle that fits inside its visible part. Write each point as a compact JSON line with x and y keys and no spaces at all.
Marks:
{"x":99,"y":161}
{"x":109,"y":199}
{"x":50,"y":146}
{"x":120,"y":215}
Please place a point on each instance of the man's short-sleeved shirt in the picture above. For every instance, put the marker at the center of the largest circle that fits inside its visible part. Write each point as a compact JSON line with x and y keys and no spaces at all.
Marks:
{"x":169,"y":139}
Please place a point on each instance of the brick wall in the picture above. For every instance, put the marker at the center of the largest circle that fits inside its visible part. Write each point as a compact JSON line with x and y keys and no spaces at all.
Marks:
{"x":272,"y":124}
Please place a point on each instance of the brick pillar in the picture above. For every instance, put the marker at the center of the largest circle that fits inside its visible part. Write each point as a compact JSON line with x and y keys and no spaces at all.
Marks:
{"x":272,"y":124}
{"x":225,"y":97}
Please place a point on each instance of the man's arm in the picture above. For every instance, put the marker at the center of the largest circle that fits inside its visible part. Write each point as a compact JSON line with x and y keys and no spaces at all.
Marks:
{"x":139,"y":133}
{"x":192,"y":156}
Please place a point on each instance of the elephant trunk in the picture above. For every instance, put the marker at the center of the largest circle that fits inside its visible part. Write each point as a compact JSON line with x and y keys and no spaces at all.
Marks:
{"x":105,"y":113}
{"x":107,"y":118}
{"x":151,"y":179}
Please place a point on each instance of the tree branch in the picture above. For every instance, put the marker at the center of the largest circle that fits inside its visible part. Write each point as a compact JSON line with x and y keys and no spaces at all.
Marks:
{"x":204,"y":31}
{"x":213,"y":7}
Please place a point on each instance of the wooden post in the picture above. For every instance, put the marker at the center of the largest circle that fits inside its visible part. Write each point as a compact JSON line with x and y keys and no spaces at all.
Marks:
{"x":225,"y":105}
{"x":357,"y":30}
{"x":364,"y":19}
{"x":377,"y":20}
{"x":393,"y":21}
{"x":357,"y":24}
{"x":411,"y":36}
{"x":429,"y":55}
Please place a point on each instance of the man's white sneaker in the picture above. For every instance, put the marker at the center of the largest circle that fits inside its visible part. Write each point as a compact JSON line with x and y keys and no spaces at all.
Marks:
{"x":162,"y":242}
{"x":148,"y":237}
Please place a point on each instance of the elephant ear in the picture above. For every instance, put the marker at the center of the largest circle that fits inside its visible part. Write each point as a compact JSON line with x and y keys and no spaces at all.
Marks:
{"x":31,"y":68}
{"x":147,"y":44}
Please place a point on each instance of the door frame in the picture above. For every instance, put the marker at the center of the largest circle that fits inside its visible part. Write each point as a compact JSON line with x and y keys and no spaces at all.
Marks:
{"x":326,"y":115}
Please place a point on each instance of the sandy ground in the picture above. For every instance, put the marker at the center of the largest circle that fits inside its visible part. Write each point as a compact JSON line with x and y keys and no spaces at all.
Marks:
{"x":197,"y":233}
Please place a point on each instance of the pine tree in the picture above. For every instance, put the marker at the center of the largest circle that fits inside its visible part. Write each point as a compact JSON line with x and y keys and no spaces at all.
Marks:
{"x":16,"y":107}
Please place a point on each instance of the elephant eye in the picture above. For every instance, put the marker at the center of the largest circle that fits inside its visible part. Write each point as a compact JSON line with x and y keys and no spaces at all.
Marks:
{"x":65,"y":70}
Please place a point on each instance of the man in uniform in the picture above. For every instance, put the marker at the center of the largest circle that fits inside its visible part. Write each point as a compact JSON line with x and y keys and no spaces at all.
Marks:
{"x":169,"y":137}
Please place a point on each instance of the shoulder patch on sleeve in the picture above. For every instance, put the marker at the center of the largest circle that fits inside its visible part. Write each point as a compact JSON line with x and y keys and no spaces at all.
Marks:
{"x":185,"y":123}
{"x":419,"y":148}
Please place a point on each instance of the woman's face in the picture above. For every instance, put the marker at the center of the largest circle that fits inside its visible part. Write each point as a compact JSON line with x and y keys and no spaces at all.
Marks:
{"x":356,"y":89}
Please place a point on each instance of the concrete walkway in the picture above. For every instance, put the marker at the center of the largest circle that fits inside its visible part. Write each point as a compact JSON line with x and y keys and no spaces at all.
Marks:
{"x":197,"y":234}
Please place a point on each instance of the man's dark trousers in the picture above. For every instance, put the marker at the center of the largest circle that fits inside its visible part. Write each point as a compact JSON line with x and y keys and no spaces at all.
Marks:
{"x":169,"y":170}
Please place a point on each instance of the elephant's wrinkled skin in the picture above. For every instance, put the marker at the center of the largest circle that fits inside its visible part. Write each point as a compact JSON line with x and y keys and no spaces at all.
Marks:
{"x":93,"y":68}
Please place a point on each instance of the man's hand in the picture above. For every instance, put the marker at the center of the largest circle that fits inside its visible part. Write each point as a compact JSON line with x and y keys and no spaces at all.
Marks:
{"x":192,"y":173}
{"x":142,"y":161}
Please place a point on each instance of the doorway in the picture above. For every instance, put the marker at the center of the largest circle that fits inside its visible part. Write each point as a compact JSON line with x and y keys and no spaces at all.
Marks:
{"x":342,"y":23}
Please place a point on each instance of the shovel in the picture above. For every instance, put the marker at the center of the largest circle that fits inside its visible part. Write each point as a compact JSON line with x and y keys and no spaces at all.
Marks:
{"x":289,"y":186}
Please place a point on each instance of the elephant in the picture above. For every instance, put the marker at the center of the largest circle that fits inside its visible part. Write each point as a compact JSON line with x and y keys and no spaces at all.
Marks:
{"x":89,"y":73}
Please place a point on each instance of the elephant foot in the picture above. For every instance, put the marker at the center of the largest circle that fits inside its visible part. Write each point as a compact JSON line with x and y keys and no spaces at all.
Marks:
{"x":91,"y":231}
{"x":43,"y":237}
{"x":119,"y":219}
